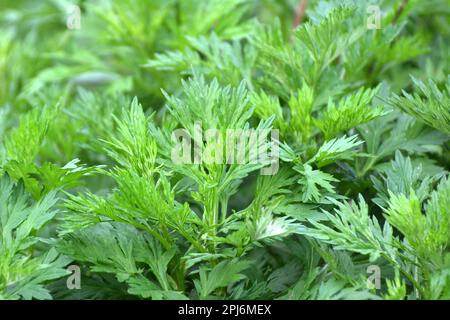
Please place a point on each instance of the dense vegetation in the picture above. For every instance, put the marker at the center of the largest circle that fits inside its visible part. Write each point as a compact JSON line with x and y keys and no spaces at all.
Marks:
{"x":356,"y":207}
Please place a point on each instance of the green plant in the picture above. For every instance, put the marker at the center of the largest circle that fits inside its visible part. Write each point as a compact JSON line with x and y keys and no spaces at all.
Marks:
{"x":22,"y":275}
{"x":230,"y":149}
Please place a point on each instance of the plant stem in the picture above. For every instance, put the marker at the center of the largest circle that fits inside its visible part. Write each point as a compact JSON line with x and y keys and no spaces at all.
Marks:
{"x":399,"y":11}
{"x":299,"y":13}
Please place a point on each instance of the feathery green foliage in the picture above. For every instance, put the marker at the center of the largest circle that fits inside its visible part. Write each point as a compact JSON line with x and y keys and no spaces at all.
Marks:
{"x":225,"y":149}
